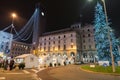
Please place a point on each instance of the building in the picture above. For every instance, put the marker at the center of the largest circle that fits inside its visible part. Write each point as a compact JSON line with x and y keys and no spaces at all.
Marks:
{"x":61,"y":42}
{"x":11,"y":48}
{"x":88,"y":49}
{"x":19,"y":48}
{"x":76,"y":42}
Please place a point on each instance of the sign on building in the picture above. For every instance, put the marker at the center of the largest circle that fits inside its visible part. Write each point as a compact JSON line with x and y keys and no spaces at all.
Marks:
{"x":5,"y":42}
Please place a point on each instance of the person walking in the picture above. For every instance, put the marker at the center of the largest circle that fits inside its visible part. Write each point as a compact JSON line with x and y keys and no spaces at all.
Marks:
{"x":11,"y":64}
{"x":6,"y":65}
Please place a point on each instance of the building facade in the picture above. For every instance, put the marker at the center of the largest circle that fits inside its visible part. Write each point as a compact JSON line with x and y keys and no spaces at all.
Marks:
{"x":62,"y":42}
{"x":76,"y":42}
{"x":88,"y":50}
{"x":19,"y":48}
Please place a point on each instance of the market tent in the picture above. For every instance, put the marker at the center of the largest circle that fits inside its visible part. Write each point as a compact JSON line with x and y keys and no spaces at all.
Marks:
{"x":30,"y":60}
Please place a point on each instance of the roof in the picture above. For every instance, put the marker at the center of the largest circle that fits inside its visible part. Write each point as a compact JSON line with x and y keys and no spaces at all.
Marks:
{"x":23,"y":55}
{"x":58,"y":31}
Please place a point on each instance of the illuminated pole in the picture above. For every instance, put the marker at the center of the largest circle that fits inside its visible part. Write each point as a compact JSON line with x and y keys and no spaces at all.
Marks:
{"x":112,"y":57}
{"x":13,"y":16}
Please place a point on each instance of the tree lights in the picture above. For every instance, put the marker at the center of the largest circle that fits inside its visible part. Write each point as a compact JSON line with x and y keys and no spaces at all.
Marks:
{"x":105,"y":44}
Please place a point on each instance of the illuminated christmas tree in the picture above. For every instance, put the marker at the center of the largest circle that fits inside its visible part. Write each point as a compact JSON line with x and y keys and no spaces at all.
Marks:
{"x":102,"y":33}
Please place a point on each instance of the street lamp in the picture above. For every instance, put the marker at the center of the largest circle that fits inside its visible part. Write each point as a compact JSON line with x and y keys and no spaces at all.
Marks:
{"x":112,"y":57}
{"x":13,"y":16}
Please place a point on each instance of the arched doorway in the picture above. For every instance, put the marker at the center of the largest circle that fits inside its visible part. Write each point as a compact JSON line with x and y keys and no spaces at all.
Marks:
{"x":72,"y":54}
{"x":64,"y":54}
{"x":85,"y":57}
{"x":91,"y":57}
{"x":59,"y":54}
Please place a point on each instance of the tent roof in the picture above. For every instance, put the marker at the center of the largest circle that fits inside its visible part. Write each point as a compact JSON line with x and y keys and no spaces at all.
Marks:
{"x":23,"y":55}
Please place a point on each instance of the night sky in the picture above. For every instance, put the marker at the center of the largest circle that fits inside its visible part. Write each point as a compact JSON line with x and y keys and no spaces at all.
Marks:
{"x":59,"y":14}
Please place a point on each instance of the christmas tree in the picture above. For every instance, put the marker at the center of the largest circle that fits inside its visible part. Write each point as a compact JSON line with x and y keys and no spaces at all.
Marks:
{"x":103,"y":35}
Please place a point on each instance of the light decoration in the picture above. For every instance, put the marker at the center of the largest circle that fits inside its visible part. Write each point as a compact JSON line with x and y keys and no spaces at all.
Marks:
{"x":101,"y":37}
{"x":29,"y":29}
{"x":5,"y":42}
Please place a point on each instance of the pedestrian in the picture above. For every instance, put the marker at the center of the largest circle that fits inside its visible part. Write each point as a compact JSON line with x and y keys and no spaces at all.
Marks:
{"x":0,"y":63}
{"x":6,"y":65}
{"x":11,"y":64}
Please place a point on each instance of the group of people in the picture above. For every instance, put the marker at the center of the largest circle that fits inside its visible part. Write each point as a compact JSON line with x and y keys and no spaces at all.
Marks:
{"x":7,"y":64}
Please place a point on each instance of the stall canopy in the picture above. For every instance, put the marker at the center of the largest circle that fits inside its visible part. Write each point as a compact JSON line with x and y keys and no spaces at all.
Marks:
{"x":30,"y":60}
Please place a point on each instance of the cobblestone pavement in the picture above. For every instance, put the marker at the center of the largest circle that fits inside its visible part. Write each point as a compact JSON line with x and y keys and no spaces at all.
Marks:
{"x":73,"y":72}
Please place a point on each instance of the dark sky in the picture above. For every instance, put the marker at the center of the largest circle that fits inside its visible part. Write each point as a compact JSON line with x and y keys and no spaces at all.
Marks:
{"x":59,"y":13}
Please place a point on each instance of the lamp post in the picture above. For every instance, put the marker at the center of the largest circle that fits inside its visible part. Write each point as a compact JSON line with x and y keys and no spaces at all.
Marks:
{"x":112,"y":57}
{"x":13,"y":16}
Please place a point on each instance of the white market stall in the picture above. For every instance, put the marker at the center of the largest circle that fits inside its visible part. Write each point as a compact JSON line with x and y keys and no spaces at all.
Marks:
{"x":30,"y":60}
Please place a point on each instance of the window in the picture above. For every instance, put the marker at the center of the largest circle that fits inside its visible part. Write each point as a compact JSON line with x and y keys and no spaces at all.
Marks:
{"x":71,"y":46}
{"x":83,"y":35}
{"x":71,"y":40}
{"x":12,"y":48}
{"x":89,"y":46}
{"x":59,"y":37}
{"x":48,"y":48}
{"x":53,"y":48}
{"x":89,"y":40}
{"x":83,"y":41}
{"x":58,"y":47}
{"x":71,"y":35}
{"x":88,"y":35}
{"x":83,"y":30}
{"x":44,"y":43}
{"x":59,"y":41}
{"x":94,"y":40}
{"x":40,"y":48}
{"x":84,"y":47}
{"x":44,"y":48}
{"x":53,"y":42}
{"x":64,"y":47}
{"x":49,"y":38}
{"x":88,"y":30}
{"x":45,"y":39}
{"x":95,"y":46}
{"x":64,"y":36}
{"x":64,"y":41}
{"x":84,"y":55}
{"x":49,"y":43}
